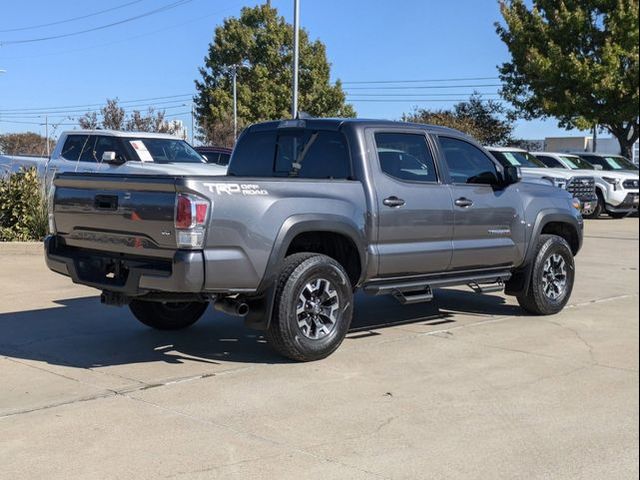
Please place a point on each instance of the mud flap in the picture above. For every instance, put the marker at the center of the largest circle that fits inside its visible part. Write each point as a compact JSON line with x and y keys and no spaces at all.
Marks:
{"x":260,"y":309}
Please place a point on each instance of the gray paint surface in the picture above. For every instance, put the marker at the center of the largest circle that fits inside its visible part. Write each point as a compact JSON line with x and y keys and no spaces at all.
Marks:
{"x":249,"y":215}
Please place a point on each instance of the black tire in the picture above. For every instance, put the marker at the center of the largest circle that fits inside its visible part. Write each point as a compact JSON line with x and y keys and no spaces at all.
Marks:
{"x":618,"y":215}
{"x":168,"y":316}
{"x":599,"y":208}
{"x":537,"y":299}
{"x":285,"y":334}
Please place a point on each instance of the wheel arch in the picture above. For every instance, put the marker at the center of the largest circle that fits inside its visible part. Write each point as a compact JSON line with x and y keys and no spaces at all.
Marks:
{"x":295,"y":233}
{"x":550,"y":221}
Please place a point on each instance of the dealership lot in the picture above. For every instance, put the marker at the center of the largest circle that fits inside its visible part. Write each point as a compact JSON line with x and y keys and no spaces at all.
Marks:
{"x":465,"y":387}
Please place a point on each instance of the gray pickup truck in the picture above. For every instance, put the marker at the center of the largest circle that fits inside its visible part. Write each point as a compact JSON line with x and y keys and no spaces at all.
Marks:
{"x":310,"y":211}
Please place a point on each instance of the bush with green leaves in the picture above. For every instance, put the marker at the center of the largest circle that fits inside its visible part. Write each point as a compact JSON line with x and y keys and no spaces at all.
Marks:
{"x":23,"y":207}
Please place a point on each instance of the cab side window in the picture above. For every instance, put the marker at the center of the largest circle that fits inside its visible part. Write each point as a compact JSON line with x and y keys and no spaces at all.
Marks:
{"x":88,"y":152}
{"x":108,"y":144}
{"x":406,"y":156}
{"x":73,"y":147}
{"x":467,"y":163}
{"x":549,"y":161}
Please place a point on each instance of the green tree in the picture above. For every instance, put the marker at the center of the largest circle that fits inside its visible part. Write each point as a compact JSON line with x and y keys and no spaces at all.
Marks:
{"x":262,"y":42}
{"x":114,"y":117}
{"x":576,"y":60}
{"x":27,"y":143}
{"x":486,"y":121}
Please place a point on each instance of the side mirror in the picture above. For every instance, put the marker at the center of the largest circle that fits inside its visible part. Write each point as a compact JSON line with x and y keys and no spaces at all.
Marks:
{"x":512,"y":174}
{"x":598,"y":167}
{"x":111,"y":157}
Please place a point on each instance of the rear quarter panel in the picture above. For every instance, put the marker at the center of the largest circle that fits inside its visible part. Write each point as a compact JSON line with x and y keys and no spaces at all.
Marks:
{"x":249,"y":215}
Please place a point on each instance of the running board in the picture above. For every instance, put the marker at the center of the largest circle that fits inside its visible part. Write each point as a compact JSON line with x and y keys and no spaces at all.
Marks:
{"x":421,"y":289}
{"x":408,"y":298}
{"x":487,"y":287}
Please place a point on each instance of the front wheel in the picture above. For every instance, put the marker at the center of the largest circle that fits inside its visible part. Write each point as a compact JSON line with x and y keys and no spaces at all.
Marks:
{"x":313,"y":307}
{"x":167,"y":315}
{"x":598,"y":209}
{"x":552,"y":277}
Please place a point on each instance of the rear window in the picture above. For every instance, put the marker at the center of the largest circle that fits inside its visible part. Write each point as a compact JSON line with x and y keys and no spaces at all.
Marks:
{"x":292,"y":153}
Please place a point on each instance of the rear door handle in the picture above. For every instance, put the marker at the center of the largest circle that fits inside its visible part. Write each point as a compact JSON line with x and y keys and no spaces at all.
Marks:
{"x":463,"y":202}
{"x":393,"y":202}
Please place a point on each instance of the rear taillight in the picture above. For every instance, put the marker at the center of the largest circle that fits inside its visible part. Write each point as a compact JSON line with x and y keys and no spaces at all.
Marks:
{"x":50,"y":204}
{"x":190,"y":220}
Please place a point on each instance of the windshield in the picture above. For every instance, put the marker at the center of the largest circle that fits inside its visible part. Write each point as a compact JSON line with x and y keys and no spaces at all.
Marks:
{"x":620,"y":163}
{"x":576,"y":163}
{"x":164,"y":150}
{"x":518,"y":159}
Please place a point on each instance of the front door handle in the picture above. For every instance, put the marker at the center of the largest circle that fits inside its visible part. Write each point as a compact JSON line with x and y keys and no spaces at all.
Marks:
{"x":393,"y":202}
{"x":463,"y":202}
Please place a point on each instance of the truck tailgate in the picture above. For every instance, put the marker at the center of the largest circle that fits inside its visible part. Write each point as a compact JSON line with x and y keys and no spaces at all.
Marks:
{"x":116,"y":213}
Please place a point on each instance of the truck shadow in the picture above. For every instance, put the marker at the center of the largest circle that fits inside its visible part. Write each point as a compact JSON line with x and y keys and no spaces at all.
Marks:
{"x":83,"y":333}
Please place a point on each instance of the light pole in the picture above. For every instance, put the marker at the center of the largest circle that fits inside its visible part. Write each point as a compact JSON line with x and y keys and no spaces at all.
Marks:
{"x":296,"y":56}
{"x":193,"y":114}
{"x":234,"y":73}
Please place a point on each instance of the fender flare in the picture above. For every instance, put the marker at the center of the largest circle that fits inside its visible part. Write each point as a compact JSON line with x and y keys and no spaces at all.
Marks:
{"x":521,"y":278}
{"x":261,"y":305}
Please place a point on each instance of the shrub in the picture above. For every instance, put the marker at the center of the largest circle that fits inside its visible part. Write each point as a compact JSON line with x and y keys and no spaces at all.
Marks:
{"x":23,"y":207}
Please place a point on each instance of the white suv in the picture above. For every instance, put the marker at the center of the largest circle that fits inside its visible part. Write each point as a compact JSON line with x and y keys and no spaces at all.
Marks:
{"x":581,"y":186}
{"x":617,"y":190}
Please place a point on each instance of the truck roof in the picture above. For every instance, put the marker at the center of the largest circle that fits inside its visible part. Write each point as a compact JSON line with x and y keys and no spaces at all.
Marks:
{"x":337,"y":123}
{"x":557,"y":154}
{"x":118,"y":133}
{"x":506,"y":149}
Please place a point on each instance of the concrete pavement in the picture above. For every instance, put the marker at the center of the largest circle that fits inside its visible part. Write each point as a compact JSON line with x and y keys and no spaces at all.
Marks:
{"x":465,"y":387}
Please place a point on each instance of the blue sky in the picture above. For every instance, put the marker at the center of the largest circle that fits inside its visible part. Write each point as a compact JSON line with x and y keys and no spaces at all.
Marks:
{"x":159,"y":55}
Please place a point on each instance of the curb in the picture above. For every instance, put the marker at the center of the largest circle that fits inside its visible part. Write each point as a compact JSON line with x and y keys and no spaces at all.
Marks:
{"x":21,"y":248}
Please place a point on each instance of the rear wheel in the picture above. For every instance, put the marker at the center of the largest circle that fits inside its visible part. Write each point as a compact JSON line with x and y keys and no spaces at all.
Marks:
{"x":169,"y":315}
{"x":552,"y":277}
{"x":313,"y":308}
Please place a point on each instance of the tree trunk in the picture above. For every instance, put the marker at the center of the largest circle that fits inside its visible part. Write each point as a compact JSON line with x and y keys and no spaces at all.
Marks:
{"x":626,"y":136}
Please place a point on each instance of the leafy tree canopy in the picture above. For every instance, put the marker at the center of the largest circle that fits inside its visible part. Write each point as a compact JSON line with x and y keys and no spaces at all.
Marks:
{"x":486,"y":121}
{"x":576,"y":60}
{"x":260,"y":42}
{"x":27,"y":143}
{"x":114,"y":117}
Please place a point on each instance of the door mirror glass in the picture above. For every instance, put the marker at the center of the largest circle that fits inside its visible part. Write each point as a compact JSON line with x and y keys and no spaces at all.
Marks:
{"x":512,"y":174}
{"x":111,"y":157}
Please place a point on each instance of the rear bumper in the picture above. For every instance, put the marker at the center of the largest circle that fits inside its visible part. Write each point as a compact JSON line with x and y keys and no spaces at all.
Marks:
{"x":127,"y":274}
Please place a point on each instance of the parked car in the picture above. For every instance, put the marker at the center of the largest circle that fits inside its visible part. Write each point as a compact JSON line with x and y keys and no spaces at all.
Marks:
{"x":580,"y":186}
{"x":12,"y":163}
{"x":609,"y":163}
{"x":617,"y":191}
{"x":217,"y":155}
{"x":108,"y":151}
{"x":311,"y":211}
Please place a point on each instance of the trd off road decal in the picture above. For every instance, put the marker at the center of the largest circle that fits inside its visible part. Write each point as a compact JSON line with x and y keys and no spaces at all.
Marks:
{"x":245,"y":189}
